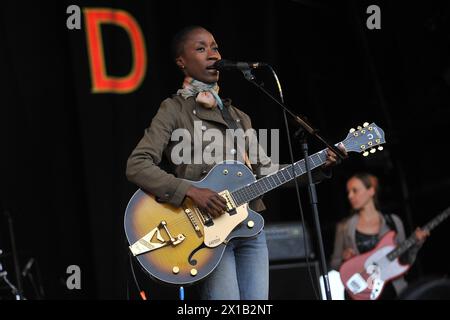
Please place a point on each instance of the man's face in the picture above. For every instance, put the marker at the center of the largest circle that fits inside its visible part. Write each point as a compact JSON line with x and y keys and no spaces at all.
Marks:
{"x":200,"y":51}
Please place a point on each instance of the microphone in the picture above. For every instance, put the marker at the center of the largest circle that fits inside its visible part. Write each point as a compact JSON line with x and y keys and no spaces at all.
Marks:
{"x":229,"y":65}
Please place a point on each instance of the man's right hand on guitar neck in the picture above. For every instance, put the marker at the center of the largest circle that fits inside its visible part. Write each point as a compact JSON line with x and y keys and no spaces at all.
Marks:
{"x":207,"y":200}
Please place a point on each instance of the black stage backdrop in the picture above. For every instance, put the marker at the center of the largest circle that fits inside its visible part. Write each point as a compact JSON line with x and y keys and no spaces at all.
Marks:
{"x":64,"y":147}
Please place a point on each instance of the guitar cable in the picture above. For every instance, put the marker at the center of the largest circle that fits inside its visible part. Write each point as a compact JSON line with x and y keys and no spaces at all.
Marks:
{"x":181,"y":293}
{"x":141,"y":292}
{"x":297,"y":188}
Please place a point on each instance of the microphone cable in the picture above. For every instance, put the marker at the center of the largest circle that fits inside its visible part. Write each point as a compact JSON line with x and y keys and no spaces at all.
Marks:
{"x":297,"y":188}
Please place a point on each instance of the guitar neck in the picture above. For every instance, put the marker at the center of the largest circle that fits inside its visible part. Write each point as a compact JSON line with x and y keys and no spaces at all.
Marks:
{"x":412,"y":240}
{"x":367,"y":137}
{"x":273,"y":181}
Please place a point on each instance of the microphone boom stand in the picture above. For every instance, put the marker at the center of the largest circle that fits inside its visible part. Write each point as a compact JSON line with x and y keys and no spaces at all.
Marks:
{"x":19,"y":289}
{"x":298,"y":118}
{"x":312,"y":190}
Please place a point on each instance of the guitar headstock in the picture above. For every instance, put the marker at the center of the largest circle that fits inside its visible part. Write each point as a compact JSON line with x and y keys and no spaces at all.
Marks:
{"x":365,"y":139}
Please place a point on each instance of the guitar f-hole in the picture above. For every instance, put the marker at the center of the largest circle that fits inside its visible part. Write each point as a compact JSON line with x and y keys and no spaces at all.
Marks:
{"x":191,"y":261}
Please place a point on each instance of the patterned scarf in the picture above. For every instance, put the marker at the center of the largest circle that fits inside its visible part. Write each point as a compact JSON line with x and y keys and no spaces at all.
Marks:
{"x":206,"y":95}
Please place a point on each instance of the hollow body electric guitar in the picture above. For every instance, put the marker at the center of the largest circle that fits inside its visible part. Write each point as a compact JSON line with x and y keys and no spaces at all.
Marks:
{"x":182,"y":245}
{"x":364,"y":276}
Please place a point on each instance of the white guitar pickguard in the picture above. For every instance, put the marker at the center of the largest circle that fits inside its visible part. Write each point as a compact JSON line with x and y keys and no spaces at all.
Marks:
{"x":223,"y":226}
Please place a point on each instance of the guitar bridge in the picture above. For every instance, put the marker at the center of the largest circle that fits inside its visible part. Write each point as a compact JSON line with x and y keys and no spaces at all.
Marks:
{"x":145,"y":244}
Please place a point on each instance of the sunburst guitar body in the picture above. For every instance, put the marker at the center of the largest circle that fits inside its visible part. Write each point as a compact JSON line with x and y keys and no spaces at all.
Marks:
{"x":182,"y":245}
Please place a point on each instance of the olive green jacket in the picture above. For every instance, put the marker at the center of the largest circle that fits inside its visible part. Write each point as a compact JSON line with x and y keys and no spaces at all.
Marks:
{"x":150,"y":164}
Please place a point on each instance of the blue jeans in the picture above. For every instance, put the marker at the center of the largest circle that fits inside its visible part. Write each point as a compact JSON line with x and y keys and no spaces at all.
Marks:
{"x":242,"y":274}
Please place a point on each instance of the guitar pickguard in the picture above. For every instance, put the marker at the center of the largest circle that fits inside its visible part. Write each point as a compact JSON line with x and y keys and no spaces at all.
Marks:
{"x":217,"y":233}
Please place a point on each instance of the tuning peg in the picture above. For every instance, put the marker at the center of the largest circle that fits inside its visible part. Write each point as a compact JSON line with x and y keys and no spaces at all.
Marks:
{"x":366,"y":124}
{"x":380,"y":148}
{"x":373,"y":150}
{"x":366,"y":153}
{"x":359,"y":127}
{"x":352,"y":130}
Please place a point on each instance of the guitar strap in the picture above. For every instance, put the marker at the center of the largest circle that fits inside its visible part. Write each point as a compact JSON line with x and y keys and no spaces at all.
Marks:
{"x":233,"y":125}
{"x":390,"y":222}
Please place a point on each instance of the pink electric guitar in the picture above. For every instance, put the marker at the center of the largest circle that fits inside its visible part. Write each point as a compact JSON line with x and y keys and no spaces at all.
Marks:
{"x":364,"y":276}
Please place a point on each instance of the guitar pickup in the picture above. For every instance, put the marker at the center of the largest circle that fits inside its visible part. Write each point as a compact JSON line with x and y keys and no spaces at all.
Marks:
{"x":231,"y":205}
{"x":208,"y":222}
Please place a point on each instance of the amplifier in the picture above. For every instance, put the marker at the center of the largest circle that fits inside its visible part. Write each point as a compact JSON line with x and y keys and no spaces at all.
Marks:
{"x":287,"y":240}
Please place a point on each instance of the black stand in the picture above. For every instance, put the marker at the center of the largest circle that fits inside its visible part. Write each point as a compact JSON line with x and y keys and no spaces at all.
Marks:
{"x":19,"y":293}
{"x":37,"y":285}
{"x":314,"y":205}
{"x":312,"y":190}
{"x":4,"y":276}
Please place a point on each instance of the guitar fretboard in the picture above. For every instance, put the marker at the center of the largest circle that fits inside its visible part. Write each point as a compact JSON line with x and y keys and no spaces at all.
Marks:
{"x":270,"y":182}
{"x":411,"y":241}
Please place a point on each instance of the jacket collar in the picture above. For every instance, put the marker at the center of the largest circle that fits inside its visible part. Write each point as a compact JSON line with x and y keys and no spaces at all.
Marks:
{"x":209,"y":114}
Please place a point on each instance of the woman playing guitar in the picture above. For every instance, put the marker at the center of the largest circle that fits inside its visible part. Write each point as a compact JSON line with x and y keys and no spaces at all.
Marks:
{"x":361,"y":232}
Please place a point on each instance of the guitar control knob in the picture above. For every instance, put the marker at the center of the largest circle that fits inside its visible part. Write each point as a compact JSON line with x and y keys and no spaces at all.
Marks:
{"x":250,"y":224}
{"x":175,"y":270}
{"x":193,"y":272}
